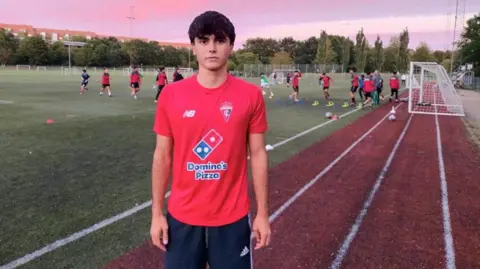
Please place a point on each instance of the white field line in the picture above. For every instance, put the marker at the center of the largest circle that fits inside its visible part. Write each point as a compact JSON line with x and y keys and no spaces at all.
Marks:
{"x":309,"y":184}
{"x":447,"y":225}
{"x":73,"y":237}
{"x":4,"y":102}
{"x":342,"y":252}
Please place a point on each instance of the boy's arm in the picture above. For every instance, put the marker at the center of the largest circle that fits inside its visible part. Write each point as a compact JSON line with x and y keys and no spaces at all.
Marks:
{"x":161,"y":169}
{"x":259,"y":164}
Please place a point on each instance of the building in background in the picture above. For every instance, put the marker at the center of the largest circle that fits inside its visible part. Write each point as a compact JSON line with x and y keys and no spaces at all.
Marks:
{"x":54,"y":35}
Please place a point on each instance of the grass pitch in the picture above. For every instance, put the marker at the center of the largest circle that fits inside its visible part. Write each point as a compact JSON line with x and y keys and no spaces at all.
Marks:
{"x":94,"y":161}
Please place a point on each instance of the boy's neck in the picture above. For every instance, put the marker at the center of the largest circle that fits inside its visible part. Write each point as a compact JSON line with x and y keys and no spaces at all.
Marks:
{"x":212,"y":79}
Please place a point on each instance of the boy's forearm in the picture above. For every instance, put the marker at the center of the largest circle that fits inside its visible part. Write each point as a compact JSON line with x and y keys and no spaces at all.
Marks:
{"x":161,"y":169}
{"x":259,"y":162}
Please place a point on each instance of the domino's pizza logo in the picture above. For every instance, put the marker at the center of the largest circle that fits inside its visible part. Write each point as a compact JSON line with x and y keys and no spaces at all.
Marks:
{"x":207,"y":144}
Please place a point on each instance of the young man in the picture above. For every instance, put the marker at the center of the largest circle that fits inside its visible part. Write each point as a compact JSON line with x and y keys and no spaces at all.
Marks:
{"x":368,"y":89}
{"x":85,"y":77}
{"x":106,"y":83}
{"x":295,"y":86}
{"x":360,"y":86}
{"x":135,"y":78}
{"x":354,"y":87}
{"x":162,"y":81}
{"x":394,"y":86}
{"x":378,"y":82}
{"x":326,"y":85}
{"x":265,"y":84}
{"x":205,"y":126}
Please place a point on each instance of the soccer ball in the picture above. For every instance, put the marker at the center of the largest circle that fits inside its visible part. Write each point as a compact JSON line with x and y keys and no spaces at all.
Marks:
{"x":392,"y":117}
{"x":328,"y":114}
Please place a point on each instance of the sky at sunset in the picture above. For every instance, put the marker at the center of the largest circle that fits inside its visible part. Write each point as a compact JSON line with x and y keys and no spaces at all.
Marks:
{"x":427,"y":20}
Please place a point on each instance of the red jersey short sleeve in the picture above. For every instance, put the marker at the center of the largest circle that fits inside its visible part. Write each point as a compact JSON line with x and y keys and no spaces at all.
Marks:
{"x":258,"y":123}
{"x":162,"y":123}
{"x":210,"y":130}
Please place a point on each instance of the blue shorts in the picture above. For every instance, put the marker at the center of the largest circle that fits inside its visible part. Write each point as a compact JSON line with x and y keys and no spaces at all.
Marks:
{"x":84,"y":82}
{"x":192,"y":247}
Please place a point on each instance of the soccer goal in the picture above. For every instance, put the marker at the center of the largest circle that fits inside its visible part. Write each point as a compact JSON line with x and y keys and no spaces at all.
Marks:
{"x":431,"y":91}
{"x":21,"y":67}
{"x":281,"y":75}
{"x":186,"y":72}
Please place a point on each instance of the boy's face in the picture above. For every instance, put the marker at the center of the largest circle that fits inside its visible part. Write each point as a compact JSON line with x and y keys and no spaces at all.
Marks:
{"x":212,"y":53}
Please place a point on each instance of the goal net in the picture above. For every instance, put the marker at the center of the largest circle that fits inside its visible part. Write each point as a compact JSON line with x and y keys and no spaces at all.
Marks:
{"x":186,"y":72}
{"x":431,"y":91}
{"x":281,"y":75}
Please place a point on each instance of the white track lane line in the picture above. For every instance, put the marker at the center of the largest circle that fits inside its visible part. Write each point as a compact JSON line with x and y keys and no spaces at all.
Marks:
{"x":73,"y":237}
{"x":342,"y":252}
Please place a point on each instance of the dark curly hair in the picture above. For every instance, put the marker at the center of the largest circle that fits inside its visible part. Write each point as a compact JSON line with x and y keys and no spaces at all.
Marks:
{"x":211,"y":23}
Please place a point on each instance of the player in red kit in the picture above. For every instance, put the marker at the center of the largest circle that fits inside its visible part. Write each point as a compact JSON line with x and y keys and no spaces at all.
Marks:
{"x":394,"y":86}
{"x":205,"y":125}
{"x":354,"y":87}
{"x":135,"y":78}
{"x":326,"y":85}
{"x":162,"y":81}
{"x":368,"y":88}
{"x":295,"y":86}
{"x":106,"y":83}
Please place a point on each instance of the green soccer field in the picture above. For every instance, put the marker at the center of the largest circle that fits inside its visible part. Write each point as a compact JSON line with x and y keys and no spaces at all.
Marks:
{"x":94,"y":161}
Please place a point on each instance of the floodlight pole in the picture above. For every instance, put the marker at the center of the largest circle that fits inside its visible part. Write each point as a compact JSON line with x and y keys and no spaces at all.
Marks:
{"x":131,"y":18}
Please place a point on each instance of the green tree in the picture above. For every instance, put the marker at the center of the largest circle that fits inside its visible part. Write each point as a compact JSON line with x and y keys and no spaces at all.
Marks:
{"x":377,"y":54}
{"x":470,"y":43}
{"x":265,"y":48}
{"x":8,"y":46}
{"x":423,"y":54}
{"x":33,"y":51}
{"x":325,"y":54}
{"x":306,"y":51}
{"x":360,"y":49}
{"x":58,"y":53}
{"x":403,"y":56}
{"x":281,"y":57}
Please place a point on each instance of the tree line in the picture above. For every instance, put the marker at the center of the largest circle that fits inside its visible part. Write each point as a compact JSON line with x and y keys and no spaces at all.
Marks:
{"x":325,"y":49}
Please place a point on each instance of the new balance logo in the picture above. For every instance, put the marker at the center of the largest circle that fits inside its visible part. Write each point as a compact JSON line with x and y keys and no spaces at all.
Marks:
{"x":245,"y":251}
{"x":189,"y":114}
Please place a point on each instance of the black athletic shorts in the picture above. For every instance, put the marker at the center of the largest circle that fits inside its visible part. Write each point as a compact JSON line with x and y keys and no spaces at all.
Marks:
{"x":325,"y":88}
{"x":84,"y":83}
{"x":223,"y":247}
{"x":134,"y":85}
{"x":379,"y":90}
{"x":368,"y":94}
{"x":105,"y":85}
{"x":160,"y":87}
{"x":295,"y":88}
{"x":394,"y":90}
{"x":354,"y":88}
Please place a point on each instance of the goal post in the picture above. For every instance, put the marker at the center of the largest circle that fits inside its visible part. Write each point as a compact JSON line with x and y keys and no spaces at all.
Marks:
{"x":431,"y":91}
{"x":281,"y":75}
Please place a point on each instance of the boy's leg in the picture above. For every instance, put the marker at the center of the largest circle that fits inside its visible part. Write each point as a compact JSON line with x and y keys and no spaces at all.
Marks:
{"x":229,"y":246}
{"x":186,"y":246}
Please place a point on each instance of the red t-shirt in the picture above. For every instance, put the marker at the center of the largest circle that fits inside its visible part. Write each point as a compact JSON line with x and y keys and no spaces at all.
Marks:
{"x":355,"y":81}
{"x":106,"y":78}
{"x":326,"y":81}
{"x":368,"y":84}
{"x":135,"y":77}
{"x":162,"y":79}
{"x":295,"y":79}
{"x":394,"y":82}
{"x":210,"y":127}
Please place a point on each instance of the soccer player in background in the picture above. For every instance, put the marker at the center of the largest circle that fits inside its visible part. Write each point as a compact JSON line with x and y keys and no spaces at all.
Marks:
{"x":326,"y":85}
{"x":354,"y":87}
{"x":295,"y":86}
{"x":85,"y":77}
{"x":360,"y":86}
{"x":265,"y":84}
{"x":378,"y":82}
{"x":135,"y":78}
{"x":106,"y":83}
{"x":162,"y":81}
{"x":368,"y":89}
{"x":205,"y":125}
{"x":394,"y":86}
{"x":289,"y":76}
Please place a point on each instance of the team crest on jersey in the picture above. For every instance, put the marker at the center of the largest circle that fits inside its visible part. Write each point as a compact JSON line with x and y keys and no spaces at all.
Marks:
{"x":226,"y":110}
